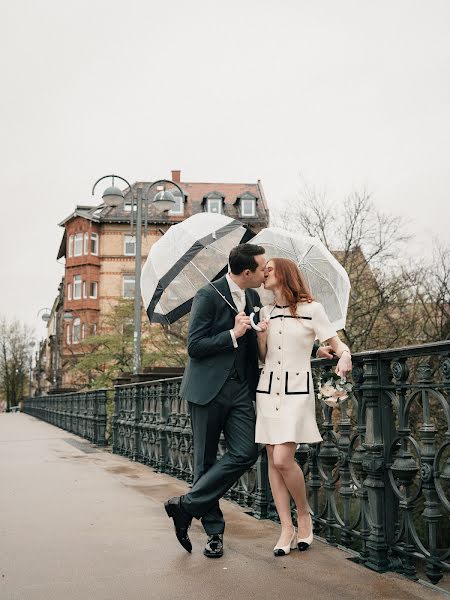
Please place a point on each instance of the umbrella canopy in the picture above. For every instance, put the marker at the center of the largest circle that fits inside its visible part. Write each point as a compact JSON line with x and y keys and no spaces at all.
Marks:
{"x":188,"y":256}
{"x":327,"y":279}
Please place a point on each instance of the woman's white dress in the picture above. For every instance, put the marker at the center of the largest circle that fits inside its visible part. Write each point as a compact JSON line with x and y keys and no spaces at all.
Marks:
{"x":285,"y":400}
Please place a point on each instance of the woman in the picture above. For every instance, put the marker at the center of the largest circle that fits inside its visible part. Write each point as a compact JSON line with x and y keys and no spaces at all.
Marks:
{"x":285,"y":401}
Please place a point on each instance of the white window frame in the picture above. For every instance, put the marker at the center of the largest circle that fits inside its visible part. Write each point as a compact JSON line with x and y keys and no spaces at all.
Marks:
{"x":252,"y":203}
{"x":83,"y":331}
{"x":69,"y":291}
{"x":78,"y":244}
{"x":86,"y":244}
{"x":68,"y":334}
{"x":70,"y":246}
{"x":77,"y":286}
{"x":179,"y":210}
{"x":93,"y":328}
{"x":211,"y":201}
{"x":76,"y":331}
{"x":94,"y":244}
{"x":84,"y":290}
{"x":129,"y":239}
{"x":126,"y":279}
{"x":95,"y":294}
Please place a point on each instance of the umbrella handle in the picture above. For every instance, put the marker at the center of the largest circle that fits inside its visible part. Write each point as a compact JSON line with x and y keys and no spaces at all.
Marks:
{"x":253,"y":324}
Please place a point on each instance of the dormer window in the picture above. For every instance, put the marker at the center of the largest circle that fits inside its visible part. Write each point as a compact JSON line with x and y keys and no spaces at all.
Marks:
{"x":247,"y":204}
{"x":214,"y":202}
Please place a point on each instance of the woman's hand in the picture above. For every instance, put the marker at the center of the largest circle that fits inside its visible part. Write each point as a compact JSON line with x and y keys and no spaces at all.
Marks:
{"x":262,"y":339}
{"x":263,"y":325}
{"x":344,"y":366}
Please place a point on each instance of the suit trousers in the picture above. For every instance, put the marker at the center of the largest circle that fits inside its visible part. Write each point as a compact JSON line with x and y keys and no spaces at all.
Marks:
{"x":231,"y":412}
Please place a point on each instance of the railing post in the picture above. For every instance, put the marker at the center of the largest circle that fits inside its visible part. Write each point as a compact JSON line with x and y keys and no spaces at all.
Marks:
{"x":374,"y":466}
{"x":100,"y":418}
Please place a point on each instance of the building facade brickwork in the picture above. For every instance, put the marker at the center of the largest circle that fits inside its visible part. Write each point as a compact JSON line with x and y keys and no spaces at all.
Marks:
{"x":100,"y":252}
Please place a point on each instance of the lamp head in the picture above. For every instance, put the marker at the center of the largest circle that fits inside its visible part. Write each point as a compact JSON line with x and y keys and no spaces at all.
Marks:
{"x":164,"y":200}
{"x":112,"y":196}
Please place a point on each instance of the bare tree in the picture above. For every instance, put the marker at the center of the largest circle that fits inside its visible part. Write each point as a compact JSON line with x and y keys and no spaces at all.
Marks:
{"x":368,"y":243}
{"x":431,"y":282}
{"x":15,"y":355}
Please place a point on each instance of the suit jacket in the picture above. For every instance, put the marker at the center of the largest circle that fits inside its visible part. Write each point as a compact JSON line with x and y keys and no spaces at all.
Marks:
{"x":210,"y":347}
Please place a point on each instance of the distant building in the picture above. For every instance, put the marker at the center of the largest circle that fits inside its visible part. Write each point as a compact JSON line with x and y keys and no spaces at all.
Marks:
{"x":100,"y":252}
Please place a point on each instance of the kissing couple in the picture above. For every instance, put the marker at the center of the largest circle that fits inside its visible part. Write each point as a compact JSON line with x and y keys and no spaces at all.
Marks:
{"x":222,"y":381}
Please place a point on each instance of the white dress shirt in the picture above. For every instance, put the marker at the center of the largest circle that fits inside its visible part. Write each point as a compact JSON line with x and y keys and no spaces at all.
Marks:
{"x":238,"y":296}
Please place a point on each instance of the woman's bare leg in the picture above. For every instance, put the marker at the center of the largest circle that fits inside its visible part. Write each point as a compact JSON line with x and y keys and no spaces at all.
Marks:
{"x":282,"y":499}
{"x":284,"y":461}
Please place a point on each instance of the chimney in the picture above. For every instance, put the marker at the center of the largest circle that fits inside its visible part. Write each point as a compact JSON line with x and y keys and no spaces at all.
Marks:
{"x":176,"y":175}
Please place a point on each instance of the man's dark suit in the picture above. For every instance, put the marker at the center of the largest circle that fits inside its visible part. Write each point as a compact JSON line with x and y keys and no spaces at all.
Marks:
{"x":219,"y":384}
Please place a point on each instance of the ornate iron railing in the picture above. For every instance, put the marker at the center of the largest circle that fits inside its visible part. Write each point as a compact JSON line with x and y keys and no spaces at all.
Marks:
{"x":82,"y":413}
{"x":378,"y":484}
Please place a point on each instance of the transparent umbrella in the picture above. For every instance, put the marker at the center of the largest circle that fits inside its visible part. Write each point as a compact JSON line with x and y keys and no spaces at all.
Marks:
{"x":188,"y":256}
{"x":327,"y":279}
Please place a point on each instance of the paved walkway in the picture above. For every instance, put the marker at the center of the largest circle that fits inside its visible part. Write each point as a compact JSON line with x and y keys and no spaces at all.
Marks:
{"x":78,"y":523}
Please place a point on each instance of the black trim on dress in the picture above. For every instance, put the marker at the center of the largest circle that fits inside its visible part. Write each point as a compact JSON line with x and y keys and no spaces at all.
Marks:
{"x":286,"y":385}
{"x":270,"y":385}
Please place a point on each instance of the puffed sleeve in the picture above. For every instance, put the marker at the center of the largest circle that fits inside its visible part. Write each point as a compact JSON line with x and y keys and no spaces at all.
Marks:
{"x":323,"y":329}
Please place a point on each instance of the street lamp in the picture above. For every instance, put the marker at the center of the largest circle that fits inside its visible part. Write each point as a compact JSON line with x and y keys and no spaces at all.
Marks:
{"x":164,"y":200}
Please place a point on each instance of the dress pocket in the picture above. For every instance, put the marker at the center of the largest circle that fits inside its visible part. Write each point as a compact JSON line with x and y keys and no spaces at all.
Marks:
{"x":265,"y":382}
{"x":296,"y":382}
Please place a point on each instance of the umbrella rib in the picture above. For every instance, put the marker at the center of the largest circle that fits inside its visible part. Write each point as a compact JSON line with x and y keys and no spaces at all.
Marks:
{"x":210,"y":283}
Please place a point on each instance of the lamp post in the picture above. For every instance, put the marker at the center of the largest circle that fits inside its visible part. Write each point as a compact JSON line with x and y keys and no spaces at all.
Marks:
{"x":163,"y":201}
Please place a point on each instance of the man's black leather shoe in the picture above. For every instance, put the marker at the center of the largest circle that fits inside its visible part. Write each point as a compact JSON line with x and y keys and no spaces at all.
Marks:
{"x":181,"y":520}
{"x":214,"y":546}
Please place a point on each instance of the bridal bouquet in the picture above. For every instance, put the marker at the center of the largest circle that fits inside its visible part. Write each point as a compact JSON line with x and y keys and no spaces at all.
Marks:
{"x":333,"y":389}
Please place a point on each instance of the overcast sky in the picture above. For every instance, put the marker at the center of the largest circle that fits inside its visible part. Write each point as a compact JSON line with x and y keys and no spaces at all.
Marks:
{"x":346,"y":93}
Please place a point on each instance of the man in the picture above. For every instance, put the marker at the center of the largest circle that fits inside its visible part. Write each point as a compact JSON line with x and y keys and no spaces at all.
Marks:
{"x":219,"y":384}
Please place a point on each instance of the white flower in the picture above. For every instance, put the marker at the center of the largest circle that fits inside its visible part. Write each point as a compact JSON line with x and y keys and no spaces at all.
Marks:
{"x":327,"y":390}
{"x":256,"y":309}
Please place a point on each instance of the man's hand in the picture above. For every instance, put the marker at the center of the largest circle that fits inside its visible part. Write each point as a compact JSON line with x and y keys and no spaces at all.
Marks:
{"x":325,"y":352}
{"x":241,"y":324}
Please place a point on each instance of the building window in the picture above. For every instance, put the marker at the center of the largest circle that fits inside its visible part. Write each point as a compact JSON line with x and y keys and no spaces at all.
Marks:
{"x":248,"y":207}
{"x":129,"y":245}
{"x":127,"y":207}
{"x":76,"y":331}
{"x":214,"y":205}
{"x":69,"y":291}
{"x":83,"y":331}
{"x":78,"y":245}
{"x":128,"y":286}
{"x":84,"y":290}
{"x":86,"y":243}
{"x":77,"y":287}
{"x":70,"y":246}
{"x":94,"y":243}
{"x":68,"y":334}
{"x":93,"y":328}
{"x":93,"y":289}
{"x":178,"y":209}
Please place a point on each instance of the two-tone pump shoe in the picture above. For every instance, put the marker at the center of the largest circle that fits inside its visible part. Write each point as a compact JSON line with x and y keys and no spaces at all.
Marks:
{"x":304,"y":543}
{"x":283,"y":550}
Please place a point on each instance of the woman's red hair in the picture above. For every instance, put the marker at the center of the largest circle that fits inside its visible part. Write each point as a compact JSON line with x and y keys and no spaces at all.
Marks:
{"x":291,"y":282}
